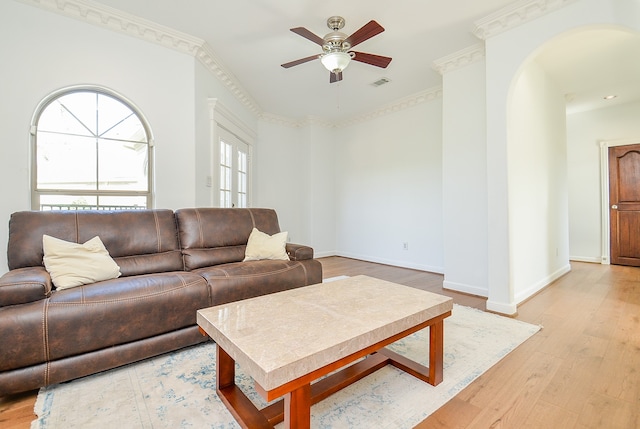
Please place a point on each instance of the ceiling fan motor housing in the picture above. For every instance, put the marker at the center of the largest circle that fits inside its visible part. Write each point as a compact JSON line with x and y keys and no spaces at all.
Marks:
{"x":335,"y":41}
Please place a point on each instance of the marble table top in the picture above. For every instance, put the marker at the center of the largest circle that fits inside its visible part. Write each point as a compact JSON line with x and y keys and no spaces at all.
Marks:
{"x":279,"y":337}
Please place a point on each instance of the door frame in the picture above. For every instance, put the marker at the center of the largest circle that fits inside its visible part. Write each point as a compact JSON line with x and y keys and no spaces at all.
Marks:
{"x":604,"y":185}
{"x":222,"y":117}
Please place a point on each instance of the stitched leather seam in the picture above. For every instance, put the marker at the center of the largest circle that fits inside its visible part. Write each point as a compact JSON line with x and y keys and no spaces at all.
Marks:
{"x":253,"y":219}
{"x":200,"y":232}
{"x":158,"y":239}
{"x":149,"y":255}
{"x":259,"y":274}
{"x":45,"y":338}
{"x":138,"y":298}
{"x":77,"y":227}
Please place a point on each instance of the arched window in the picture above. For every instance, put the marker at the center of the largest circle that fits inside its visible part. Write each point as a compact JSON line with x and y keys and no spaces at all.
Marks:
{"x":92,"y":149}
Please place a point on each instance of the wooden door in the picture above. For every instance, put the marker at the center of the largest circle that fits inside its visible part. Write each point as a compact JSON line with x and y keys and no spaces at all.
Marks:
{"x":624,"y":204}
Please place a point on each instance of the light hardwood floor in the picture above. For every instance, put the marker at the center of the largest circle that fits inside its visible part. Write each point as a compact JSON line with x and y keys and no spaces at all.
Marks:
{"x":582,"y":370}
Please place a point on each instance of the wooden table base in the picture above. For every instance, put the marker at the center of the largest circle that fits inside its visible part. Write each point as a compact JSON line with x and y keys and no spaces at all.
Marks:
{"x":299,"y":395}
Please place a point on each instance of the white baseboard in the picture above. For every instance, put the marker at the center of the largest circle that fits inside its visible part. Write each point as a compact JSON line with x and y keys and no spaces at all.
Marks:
{"x":464,"y":288}
{"x":502,"y":307}
{"x":593,"y":259}
{"x":537,"y":287}
{"x":395,"y":263}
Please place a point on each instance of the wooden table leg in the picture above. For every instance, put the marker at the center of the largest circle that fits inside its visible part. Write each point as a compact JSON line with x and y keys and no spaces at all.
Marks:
{"x":240,"y":407}
{"x":297,"y":408}
{"x":225,"y":369}
{"x":436,"y":352}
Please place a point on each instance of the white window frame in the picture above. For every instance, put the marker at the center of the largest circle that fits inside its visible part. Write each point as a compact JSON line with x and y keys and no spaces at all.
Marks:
{"x":37,"y":193}
{"x":227,"y":127}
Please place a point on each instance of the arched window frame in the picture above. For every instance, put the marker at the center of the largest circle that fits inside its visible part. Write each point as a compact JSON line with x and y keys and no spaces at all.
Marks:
{"x":36,"y":193}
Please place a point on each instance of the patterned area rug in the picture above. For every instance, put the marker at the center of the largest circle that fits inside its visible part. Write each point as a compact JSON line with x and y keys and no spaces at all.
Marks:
{"x":178,"y":390}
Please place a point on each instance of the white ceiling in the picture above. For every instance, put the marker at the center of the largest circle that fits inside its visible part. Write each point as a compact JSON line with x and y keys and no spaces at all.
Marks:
{"x":251,"y":38}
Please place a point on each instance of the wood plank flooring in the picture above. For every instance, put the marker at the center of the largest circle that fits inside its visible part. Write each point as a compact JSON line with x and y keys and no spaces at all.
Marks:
{"x":581,"y":371}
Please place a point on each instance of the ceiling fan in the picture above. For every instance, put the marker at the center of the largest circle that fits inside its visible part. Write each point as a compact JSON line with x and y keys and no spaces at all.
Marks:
{"x":336,"y":47}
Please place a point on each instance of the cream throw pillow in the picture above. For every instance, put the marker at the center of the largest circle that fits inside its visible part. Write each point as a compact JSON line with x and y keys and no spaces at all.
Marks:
{"x":265,"y":246}
{"x":72,"y":264}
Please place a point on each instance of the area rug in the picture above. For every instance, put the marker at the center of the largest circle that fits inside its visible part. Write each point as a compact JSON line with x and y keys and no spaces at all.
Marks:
{"x":178,"y":390}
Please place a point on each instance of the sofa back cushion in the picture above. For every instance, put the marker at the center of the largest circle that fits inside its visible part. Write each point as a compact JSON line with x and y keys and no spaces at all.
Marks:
{"x":212,"y":236}
{"x":140,"y":241}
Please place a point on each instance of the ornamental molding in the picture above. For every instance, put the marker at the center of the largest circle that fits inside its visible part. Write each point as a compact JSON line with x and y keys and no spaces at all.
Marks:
{"x":430,"y":94}
{"x":517,"y":13}
{"x":284,"y":121}
{"x":459,"y":59}
{"x":113,"y":19}
{"x":396,"y":106}
{"x":132,"y":25}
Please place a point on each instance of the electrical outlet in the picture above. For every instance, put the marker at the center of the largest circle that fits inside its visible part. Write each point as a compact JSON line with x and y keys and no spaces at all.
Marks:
{"x":405,"y":246}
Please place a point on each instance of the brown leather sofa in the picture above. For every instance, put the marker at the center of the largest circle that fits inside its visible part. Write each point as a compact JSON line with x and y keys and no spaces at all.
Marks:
{"x":172,"y":264}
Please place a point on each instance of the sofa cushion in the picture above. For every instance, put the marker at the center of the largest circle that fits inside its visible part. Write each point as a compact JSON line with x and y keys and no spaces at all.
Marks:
{"x":72,"y":264}
{"x":265,"y":246}
{"x":242,"y":280}
{"x":212,"y":236}
{"x":100,"y":315}
{"x":140,"y":241}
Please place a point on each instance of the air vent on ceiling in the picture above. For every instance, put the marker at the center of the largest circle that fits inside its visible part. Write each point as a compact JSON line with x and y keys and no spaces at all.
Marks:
{"x":380,"y":82}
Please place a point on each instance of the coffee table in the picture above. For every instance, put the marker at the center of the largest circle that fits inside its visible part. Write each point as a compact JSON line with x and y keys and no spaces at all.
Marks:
{"x":287,"y":340}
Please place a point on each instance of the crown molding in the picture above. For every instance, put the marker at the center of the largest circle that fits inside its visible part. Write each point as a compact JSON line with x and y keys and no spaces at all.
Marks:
{"x":515,"y":14}
{"x":119,"y":21}
{"x":396,"y":106}
{"x":284,"y":121}
{"x":459,"y":59}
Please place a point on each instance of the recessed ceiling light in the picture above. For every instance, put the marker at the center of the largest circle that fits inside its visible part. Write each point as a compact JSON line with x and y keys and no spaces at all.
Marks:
{"x":609,"y":97}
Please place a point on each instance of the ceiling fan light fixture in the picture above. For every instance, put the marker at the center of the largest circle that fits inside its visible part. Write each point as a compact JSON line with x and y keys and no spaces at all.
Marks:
{"x":335,"y":62}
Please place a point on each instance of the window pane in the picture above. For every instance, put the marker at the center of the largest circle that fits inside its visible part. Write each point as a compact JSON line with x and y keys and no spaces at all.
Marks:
{"x":122,"y":202}
{"x":56,"y":117}
{"x":68,"y":202}
{"x":225,"y":154}
{"x":225,"y":198}
{"x":117,"y":121}
{"x":122,"y":166}
{"x":225,"y":178}
{"x":66,"y":162}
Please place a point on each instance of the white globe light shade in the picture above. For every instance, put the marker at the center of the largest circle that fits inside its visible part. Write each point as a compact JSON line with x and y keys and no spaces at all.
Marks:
{"x":335,"y":61}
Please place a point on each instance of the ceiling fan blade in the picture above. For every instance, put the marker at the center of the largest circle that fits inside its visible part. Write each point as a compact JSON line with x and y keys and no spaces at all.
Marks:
{"x":301,"y":31}
{"x":300,"y":61}
{"x":335,"y":77}
{"x":374,"y":60}
{"x":365,"y":32}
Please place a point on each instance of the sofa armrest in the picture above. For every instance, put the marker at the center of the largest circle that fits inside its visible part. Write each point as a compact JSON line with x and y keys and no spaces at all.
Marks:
{"x":24,"y":285}
{"x":299,"y":252}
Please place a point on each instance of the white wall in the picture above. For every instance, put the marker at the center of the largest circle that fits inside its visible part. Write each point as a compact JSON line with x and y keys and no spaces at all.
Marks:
{"x":389,"y":188}
{"x":538,"y":215}
{"x":43,"y":52}
{"x":465,"y":180}
{"x":585,"y":131}
{"x":295,"y":174}
{"x":209,"y":90}
{"x":322,"y":188}
{"x":505,"y":54}
{"x":281,"y":177}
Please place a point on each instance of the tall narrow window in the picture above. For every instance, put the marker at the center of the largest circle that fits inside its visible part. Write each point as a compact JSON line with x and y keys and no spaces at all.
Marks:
{"x":92,"y":150}
{"x":234,"y":170}
{"x":225,"y":174}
